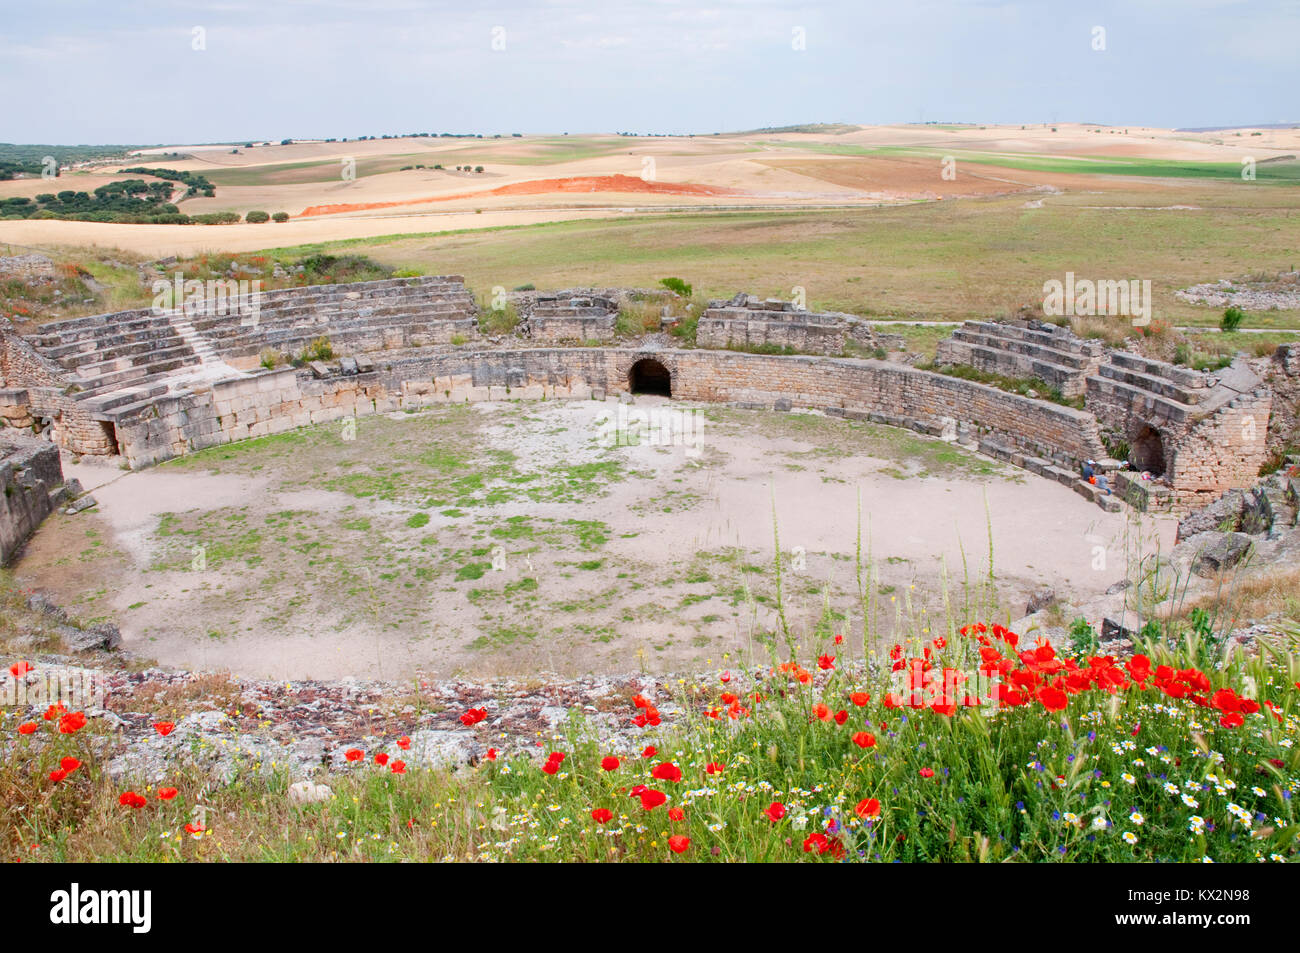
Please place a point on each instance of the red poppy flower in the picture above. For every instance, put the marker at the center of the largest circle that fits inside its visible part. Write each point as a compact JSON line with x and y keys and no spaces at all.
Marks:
{"x":69,"y":764}
{"x":54,"y":711}
{"x":27,"y":728}
{"x":727,"y":698}
{"x":1053,"y":699}
{"x":713,"y":767}
{"x":927,"y":772}
{"x":58,"y":775}
{"x":678,"y":844}
{"x":72,"y":723}
{"x":864,"y":739}
{"x":666,"y":771}
{"x":131,"y":799}
{"x":649,"y":751}
{"x":551,"y":767}
{"x":725,"y":677}
{"x":381,"y":759}
{"x":473,"y":717}
{"x":816,"y":842}
{"x":867,"y":807}
{"x":839,"y":640}
{"x":166,"y":794}
{"x":164,"y":728}
{"x":556,"y":756}
{"x":602,"y":815}
{"x":859,"y":698}
{"x":491,"y":754}
{"x":821,"y":712}
{"x":1225,"y":699}
{"x":826,"y":662}
{"x":1232,"y":719}
{"x":354,"y":754}
{"x":404,"y":743}
{"x":609,"y":763}
{"x":19,"y":669}
{"x":651,"y":799}
{"x":775,"y":811}
{"x":676,"y":814}
{"x":841,"y":717}
{"x":398,"y":767}
{"x":194,"y":829}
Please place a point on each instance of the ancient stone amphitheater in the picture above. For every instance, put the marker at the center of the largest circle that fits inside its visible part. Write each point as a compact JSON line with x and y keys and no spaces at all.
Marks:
{"x":148,"y":385}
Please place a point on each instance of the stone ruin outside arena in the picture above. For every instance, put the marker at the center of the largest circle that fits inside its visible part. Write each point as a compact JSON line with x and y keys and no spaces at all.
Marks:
{"x":149,"y":386}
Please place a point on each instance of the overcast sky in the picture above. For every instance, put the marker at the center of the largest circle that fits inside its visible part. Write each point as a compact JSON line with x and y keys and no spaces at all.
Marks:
{"x":92,"y":71}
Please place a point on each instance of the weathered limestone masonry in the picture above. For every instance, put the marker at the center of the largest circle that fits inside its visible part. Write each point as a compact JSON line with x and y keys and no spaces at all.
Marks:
{"x":275,"y":401}
{"x":38,"y":389}
{"x":357,"y":318}
{"x":1202,"y":433}
{"x":86,"y":373}
{"x":1288,"y":357}
{"x":572,"y":318}
{"x":747,"y":322}
{"x":156,"y":385}
{"x":30,"y":480}
{"x":1025,"y":349}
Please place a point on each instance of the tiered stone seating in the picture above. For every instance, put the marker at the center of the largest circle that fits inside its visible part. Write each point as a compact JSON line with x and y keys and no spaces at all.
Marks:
{"x":360,"y":317}
{"x":1164,"y":394}
{"x":111,"y":352}
{"x":1025,"y":349}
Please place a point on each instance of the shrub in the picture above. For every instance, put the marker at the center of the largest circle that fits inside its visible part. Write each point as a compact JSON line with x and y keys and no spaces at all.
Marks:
{"x":677,"y":286}
{"x":257,"y":217}
{"x":217,"y":218}
{"x":270,"y":358}
{"x":318,"y":350}
{"x":280,"y":217}
{"x":1232,"y":319}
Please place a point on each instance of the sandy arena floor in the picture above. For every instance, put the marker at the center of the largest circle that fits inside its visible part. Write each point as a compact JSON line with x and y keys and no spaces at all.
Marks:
{"x":512,"y":538}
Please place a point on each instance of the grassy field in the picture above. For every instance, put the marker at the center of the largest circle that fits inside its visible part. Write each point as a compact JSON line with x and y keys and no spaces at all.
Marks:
{"x":1277,"y":172}
{"x":946,"y":260}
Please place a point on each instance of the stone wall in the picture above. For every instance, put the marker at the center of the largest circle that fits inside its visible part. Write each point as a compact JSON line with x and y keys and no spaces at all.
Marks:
{"x":570,"y":318}
{"x":49,"y":395}
{"x":1201,"y":433}
{"x":276,"y":401}
{"x":1220,"y":452}
{"x":30,"y":473}
{"x":749,"y":323}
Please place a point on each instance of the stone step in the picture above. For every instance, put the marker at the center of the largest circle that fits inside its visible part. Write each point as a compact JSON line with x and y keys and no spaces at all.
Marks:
{"x":126,"y":362}
{"x":1180,"y":376}
{"x":1153,"y":405}
{"x":1049,"y":355}
{"x":1057,"y":339}
{"x":1153,"y":383}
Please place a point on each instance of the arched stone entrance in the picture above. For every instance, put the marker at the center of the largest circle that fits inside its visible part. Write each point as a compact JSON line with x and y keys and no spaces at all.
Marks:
{"x":1147,"y":451}
{"x":648,"y":376}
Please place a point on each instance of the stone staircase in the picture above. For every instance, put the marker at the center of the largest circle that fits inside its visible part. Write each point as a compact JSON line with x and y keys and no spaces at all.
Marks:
{"x":1025,"y":349}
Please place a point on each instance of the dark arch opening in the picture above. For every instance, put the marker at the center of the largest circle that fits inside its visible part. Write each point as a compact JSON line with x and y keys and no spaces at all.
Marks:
{"x":648,"y":376}
{"x":1147,"y":451}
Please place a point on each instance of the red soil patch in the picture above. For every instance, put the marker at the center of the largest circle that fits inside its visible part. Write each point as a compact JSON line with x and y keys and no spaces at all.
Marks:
{"x":571,"y":185}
